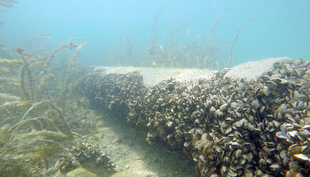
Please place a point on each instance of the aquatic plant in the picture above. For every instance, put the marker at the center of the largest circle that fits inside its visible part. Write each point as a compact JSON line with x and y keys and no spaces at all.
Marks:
{"x":129,"y":46}
{"x":193,"y":54}
{"x":38,"y":43}
{"x":6,"y":3}
{"x":28,"y":153}
{"x":39,"y":110}
{"x":10,"y":63}
{"x":199,"y":53}
{"x":236,"y":37}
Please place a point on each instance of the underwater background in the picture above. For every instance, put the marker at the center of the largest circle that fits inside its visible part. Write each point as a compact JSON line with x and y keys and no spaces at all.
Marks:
{"x":123,"y":29}
{"x":185,"y":101}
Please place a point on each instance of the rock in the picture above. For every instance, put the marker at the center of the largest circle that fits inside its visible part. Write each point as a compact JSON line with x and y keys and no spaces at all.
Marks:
{"x":80,"y":172}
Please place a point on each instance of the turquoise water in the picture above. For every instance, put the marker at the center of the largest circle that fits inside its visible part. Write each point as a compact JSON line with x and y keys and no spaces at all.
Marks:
{"x":282,"y":28}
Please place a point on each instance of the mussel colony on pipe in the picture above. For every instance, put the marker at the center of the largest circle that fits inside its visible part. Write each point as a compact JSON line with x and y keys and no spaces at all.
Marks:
{"x":226,"y":127}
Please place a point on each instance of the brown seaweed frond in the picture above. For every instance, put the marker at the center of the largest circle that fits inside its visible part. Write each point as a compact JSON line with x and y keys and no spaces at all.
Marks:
{"x":17,"y":125}
{"x":130,"y":52}
{"x":7,"y":3}
{"x":31,"y":108}
{"x":76,"y":39}
{"x":8,"y":97}
{"x":74,"y":85}
{"x":236,"y":37}
{"x":71,"y":64}
{"x":22,"y":84}
{"x":25,"y":69}
{"x":43,"y":84}
{"x":37,"y":62}
{"x":14,"y":104}
{"x":39,"y":36}
{"x":7,"y":79}
{"x":200,"y":53}
{"x":37,"y":58}
{"x":155,"y":25}
{"x":37,"y":122}
{"x":19,"y":158}
{"x":215,"y":24}
{"x":11,"y":63}
{"x":4,"y":70}
{"x":45,"y":67}
{"x":60,"y":121}
{"x":68,"y":45}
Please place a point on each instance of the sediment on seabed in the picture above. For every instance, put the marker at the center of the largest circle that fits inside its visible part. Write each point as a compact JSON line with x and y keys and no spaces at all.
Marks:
{"x":225,"y":125}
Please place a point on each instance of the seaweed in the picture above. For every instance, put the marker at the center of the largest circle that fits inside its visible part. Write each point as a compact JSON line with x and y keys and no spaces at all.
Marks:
{"x":6,"y":3}
{"x":27,"y":153}
{"x":203,"y":53}
{"x":37,"y":116}
{"x":196,"y":54}
{"x":235,"y":39}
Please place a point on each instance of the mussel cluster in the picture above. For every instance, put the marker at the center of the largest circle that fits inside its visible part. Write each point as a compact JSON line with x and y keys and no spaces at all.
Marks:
{"x":113,"y":91}
{"x":226,"y":127}
{"x":86,"y":155}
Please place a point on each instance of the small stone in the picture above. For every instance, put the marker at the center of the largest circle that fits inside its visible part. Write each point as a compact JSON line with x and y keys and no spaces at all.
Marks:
{"x":116,"y":140}
{"x":127,"y":166}
{"x":80,"y":172}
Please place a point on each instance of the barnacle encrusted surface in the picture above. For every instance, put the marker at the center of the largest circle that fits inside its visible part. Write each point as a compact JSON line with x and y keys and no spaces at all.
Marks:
{"x":226,"y":127}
